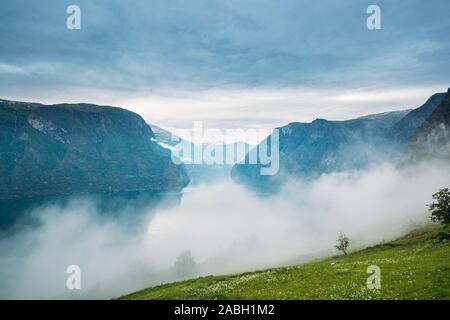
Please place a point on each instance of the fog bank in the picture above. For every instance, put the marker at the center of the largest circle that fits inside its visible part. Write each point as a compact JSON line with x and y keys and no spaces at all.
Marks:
{"x":225,"y":227}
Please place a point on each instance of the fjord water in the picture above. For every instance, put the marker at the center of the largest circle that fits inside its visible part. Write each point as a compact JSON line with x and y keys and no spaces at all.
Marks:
{"x":129,"y":207}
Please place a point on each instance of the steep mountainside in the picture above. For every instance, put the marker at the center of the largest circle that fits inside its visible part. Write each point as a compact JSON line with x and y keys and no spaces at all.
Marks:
{"x":404,"y":129}
{"x":388,"y":118}
{"x":432,"y":138}
{"x":307,"y":150}
{"x":80,"y":148}
{"x":164,"y":136}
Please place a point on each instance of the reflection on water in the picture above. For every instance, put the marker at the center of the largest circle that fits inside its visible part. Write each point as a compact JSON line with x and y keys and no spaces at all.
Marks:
{"x":129,"y":207}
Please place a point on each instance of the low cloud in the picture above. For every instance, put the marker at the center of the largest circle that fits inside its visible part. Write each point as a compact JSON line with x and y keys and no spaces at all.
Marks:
{"x":225,"y":227}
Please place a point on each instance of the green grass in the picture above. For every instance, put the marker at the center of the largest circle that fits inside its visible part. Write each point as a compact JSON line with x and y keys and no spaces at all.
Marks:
{"x":416,"y":266}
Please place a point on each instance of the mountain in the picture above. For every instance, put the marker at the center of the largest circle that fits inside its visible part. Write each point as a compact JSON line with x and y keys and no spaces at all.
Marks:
{"x":432,"y":138}
{"x":388,"y":118}
{"x":404,"y":129}
{"x":200,"y":172}
{"x":67,"y":149}
{"x":308,"y":150}
{"x":165,"y":137}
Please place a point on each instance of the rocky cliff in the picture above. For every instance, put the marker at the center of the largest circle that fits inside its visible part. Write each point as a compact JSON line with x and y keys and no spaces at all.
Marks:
{"x":80,"y":148}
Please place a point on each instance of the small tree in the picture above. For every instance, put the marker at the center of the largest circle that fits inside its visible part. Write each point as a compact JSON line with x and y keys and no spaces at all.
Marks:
{"x":440,"y":208}
{"x":343,"y":243}
{"x":185,"y":265}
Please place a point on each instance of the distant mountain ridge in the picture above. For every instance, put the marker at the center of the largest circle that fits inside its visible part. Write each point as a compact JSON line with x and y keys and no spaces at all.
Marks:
{"x":404,"y":129}
{"x":389,"y":118}
{"x":198,"y":173}
{"x":80,"y":148}
{"x":308,"y":150}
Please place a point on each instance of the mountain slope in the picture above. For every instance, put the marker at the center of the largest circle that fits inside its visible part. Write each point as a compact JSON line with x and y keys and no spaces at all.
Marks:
{"x":432,"y":138}
{"x":308,"y":150}
{"x":80,"y":148}
{"x":404,"y":129}
{"x":415,"y":266}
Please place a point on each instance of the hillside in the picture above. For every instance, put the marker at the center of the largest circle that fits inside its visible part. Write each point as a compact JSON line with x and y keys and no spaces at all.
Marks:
{"x":404,"y":129}
{"x":433,"y":136}
{"x":416,"y":266}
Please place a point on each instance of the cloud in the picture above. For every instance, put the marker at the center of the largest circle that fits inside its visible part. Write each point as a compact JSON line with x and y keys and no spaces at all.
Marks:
{"x":7,"y":69}
{"x":227,"y":229}
{"x":215,"y":44}
{"x":233,"y":64}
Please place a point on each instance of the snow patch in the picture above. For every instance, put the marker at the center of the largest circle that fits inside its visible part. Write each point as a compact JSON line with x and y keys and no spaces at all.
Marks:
{"x":167,"y":146}
{"x":46,"y":127}
{"x":186,"y":160}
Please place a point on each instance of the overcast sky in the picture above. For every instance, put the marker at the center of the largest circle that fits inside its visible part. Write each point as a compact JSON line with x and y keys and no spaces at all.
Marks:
{"x":231,"y":63}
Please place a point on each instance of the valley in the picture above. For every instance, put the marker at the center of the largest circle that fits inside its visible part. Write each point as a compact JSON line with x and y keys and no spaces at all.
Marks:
{"x":415,"y":266}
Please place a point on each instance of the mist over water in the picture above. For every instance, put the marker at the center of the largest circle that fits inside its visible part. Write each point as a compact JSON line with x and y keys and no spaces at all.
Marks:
{"x":226,"y":228}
